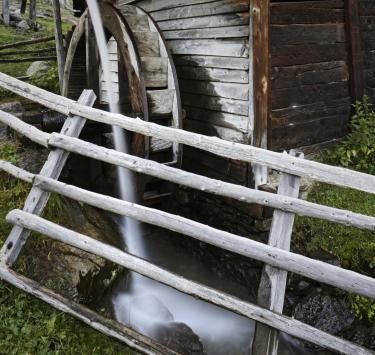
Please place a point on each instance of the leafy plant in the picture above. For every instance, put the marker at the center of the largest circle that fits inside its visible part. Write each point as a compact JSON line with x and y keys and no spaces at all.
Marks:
{"x":48,"y":80}
{"x":363,"y":308}
{"x":357,"y":151}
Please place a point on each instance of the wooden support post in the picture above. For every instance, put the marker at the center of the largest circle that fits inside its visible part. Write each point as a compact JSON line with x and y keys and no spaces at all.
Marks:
{"x":37,"y":199}
{"x":272,"y":286}
{"x":260,"y":12}
{"x":6,"y":14}
{"x":23,"y":6}
{"x":32,"y":13}
{"x":353,"y":34}
{"x":60,"y":51}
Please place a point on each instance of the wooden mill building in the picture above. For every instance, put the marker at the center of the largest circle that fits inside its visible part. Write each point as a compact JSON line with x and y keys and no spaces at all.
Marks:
{"x":275,"y":74}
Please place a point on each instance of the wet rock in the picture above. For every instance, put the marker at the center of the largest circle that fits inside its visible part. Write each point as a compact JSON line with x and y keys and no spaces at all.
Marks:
{"x":13,"y":107}
{"x":38,"y":67}
{"x":179,"y":337}
{"x":327,"y":312}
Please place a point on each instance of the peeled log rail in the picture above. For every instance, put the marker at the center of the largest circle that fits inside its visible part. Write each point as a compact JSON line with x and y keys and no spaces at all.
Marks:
{"x":283,"y":323}
{"x":316,"y":171}
{"x":24,"y":43}
{"x":241,"y":193}
{"x":32,"y":51}
{"x":28,"y":59}
{"x":316,"y":270}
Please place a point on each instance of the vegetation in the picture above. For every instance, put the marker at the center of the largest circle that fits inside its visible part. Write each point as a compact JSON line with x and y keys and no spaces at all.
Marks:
{"x":27,"y":325}
{"x":354,"y":248}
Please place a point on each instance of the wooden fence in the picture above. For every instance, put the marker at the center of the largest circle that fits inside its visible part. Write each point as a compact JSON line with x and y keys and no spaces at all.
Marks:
{"x":276,"y":255}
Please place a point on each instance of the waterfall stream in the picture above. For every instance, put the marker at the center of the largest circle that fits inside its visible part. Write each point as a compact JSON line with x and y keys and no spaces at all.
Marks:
{"x":146,"y":305}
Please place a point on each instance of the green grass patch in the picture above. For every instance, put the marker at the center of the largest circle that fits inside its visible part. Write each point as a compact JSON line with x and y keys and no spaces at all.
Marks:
{"x":27,"y":325}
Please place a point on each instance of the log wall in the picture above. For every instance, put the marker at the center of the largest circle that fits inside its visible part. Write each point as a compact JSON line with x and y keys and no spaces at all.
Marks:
{"x":367,"y":26}
{"x":310,"y":93}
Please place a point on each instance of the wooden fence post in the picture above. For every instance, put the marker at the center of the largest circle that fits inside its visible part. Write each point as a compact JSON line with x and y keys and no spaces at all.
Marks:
{"x":32,"y":13}
{"x":37,"y":199}
{"x":260,"y":16}
{"x":60,"y":51}
{"x":23,"y":6}
{"x":6,"y":15}
{"x":272,"y":286}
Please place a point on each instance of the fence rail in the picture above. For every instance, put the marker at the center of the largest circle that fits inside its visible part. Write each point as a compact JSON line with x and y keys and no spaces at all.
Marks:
{"x":276,"y":257}
{"x":281,"y":162}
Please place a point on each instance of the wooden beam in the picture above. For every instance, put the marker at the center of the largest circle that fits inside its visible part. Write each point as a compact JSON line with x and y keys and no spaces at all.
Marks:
{"x":60,"y":51}
{"x":6,"y":14}
{"x":319,"y":271}
{"x":355,"y":62}
{"x":92,"y":57}
{"x":104,"y":325}
{"x":261,"y":67}
{"x":37,"y":198}
{"x":271,"y":292}
{"x":27,"y":42}
{"x":145,"y":268}
{"x":237,"y":151}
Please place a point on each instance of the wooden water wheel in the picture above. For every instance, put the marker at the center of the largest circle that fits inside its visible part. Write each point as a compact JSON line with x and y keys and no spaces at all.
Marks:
{"x":143,"y":78}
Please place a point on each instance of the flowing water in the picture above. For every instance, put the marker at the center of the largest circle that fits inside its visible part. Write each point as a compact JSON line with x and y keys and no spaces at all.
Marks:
{"x":147,"y":305}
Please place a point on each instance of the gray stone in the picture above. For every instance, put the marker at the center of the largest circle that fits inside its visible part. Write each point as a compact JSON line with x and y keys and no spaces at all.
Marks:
{"x":38,"y":67}
{"x":23,"y":25}
{"x":14,"y":107}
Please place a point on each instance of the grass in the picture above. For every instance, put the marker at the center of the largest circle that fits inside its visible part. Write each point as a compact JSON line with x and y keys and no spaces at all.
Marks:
{"x":27,"y":325}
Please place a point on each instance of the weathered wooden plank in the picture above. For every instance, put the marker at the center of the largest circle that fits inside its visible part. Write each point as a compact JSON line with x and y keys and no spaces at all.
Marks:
{"x":223,"y":119}
{"x":288,"y":325}
{"x":206,"y":22}
{"x":285,"y":55}
{"x":92,"y":59}
{"x":138,"y":23}
{"x":307,"y":12}
{"x":238,"y":107}
{"x":27,"y":42}
{"x":59,"y":40}
{"x":28,"y":51}
{"x":151,"y":5}
{"x":160,"y":101}
{"x":147,"y":43}
{"x":28,"y":59}
{"x":309,"y":74}
{"x":308,"y":34}
{"x":201,"y":9}
{"x":215,"y":32}
{"x":314,"y":170}
{"x":243,"y":194}
{"x":104,"y":325}
{"x":213,"y":74}
{"x":308,"y":94}
{"x":261,"y":77}
{"x":310,"y":132}
{"x":212,"y":62}
{"x":158,"y":145}
{"x":37,"y":198}
{"x":271,"y":292}
{"x":213,"y":88}
{"x":222,"y":47}
{"x":25,"y":129}
{"x":355,"y":64}
{"x":155,"y":70}
{"x":304,"y":113}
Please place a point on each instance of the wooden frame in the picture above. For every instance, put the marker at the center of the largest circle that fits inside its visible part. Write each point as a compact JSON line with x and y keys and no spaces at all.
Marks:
{"x":275,"y":257}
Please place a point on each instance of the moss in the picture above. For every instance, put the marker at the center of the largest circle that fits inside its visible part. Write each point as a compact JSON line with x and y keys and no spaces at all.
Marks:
{"x":29,"y":326}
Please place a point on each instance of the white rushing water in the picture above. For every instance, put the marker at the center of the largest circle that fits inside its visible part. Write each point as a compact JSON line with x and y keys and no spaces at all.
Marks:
{"x":145,"y":304}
